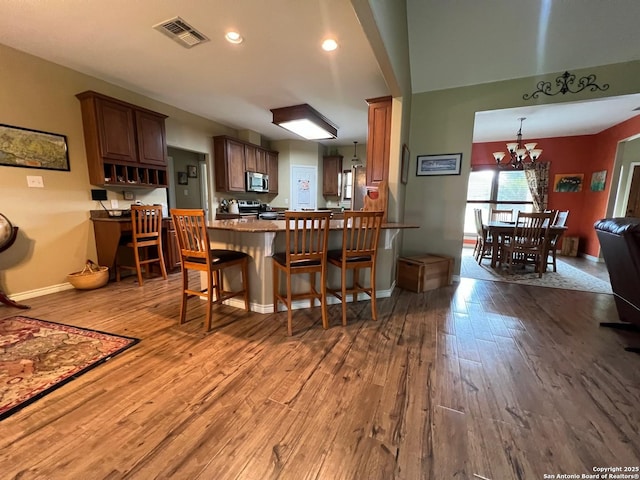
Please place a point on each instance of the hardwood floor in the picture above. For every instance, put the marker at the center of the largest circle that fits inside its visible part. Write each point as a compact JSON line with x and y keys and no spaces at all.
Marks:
{"x":478,"y":380}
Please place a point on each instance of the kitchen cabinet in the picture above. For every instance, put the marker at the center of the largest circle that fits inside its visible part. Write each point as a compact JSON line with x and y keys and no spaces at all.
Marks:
{"x":125,"y":144}
{"x":272,"y":170}
{"x":170,"y":248}
{"x":379,"y":140}
{"x":331,"y":173}
{"x":255,"y":159}
{"x":233,"y":157}
{"x":228,"y":164}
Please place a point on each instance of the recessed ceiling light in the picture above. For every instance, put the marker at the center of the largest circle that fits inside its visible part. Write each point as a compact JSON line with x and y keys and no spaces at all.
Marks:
{"x":329,"y":45}
{"x":233,"y":37}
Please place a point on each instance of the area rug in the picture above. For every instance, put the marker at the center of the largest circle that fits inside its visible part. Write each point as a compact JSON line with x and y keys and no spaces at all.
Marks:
{"x":37,"y":357}
{"x":567,"y":277}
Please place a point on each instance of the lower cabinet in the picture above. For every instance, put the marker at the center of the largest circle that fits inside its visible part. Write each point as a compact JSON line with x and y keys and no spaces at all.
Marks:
{"x":171,"y":250}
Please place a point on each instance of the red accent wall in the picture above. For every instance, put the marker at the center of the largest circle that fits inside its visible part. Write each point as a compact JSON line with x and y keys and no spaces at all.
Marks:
{"x":584,"y":154}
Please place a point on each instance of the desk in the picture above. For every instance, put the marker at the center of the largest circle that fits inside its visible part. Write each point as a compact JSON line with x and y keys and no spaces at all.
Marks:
{"x":109,"y":231}
{"x":497,"y":230}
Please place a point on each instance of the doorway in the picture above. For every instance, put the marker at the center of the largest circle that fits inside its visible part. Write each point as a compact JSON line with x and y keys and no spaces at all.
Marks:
{"x":188,"y":186}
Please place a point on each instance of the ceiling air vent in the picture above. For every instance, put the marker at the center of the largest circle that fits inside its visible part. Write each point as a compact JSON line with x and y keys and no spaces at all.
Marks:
{"x":181,"y":32}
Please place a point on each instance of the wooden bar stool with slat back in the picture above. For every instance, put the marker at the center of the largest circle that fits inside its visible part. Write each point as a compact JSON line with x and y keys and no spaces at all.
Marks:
{"x":360,"y":235}
{"x":146,"y":234}
{"x":306,"y":238}
{"x":196,"y":254}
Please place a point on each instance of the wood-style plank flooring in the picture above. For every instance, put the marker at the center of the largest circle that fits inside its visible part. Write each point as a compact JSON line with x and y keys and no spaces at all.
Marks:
{"x":478,"y":380}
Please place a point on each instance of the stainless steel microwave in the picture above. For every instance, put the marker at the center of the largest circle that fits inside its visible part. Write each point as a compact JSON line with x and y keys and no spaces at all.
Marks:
{"x":257,"y":182}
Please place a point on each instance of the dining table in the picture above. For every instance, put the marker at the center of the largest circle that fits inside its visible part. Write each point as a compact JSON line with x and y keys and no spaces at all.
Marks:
{"x":498,"y":230}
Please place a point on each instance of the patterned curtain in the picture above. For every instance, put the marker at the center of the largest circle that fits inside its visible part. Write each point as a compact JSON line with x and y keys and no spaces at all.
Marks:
{"x":537,"y":175}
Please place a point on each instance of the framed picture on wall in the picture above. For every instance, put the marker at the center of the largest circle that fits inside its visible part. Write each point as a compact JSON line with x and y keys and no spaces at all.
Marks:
{"x":568,"y":182}
{"x":192,"y":171}
{"x":26,"y":148}
{"x":443,"y":164}
{"x":598,"y":180}
{"x":183,"y":179}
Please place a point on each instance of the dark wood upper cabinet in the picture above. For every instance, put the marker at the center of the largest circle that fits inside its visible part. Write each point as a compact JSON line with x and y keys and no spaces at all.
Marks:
{"x":152,"y":143}
{"x":331,"y":171}
{"x":229,"y":164}
{"x":272,"y":170}
{"x":379,"y":140}
{"x":125,"y":144}
{"x":234,"y":157}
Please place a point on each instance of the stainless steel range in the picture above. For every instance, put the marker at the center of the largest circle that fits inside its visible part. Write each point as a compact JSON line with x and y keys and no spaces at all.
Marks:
{"x":249,"y":207}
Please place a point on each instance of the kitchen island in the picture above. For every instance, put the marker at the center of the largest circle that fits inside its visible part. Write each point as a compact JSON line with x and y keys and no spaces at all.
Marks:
{"x":261,"y":238}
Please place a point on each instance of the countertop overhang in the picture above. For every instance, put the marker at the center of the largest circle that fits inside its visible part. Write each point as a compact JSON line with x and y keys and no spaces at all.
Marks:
{"x":252,"y":225}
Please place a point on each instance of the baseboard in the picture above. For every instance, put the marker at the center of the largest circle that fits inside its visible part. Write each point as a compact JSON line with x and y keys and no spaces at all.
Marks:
{"x":38,"y":292}
{"x":298,"y":304}
{"x":591,"y":258}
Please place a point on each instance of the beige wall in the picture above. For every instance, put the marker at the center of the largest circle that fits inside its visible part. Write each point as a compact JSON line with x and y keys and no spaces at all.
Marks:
{"x":442,"y":122}
{"x":56,"y":235}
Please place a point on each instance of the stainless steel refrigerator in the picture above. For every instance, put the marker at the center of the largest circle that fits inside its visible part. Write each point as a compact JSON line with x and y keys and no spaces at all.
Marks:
{"x":359,"y":187}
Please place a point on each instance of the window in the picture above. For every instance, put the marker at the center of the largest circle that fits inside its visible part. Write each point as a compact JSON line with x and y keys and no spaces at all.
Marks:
{"x":347,"y":184}
{"x":501,"y":189}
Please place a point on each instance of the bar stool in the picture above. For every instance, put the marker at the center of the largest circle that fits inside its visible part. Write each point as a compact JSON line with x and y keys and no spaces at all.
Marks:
{"x":196,"y":254}
{"x":360,"y":235}
{"x":306,"y":237}
{"x":146,"y":222}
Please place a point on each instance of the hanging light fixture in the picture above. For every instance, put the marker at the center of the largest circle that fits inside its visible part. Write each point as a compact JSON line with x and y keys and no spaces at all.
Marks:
{"x":355,"y":152}
{"x":518,"y":152}
{"x":305,"y":121}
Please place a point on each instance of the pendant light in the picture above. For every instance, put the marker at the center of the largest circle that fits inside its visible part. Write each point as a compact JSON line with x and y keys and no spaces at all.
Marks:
{"x":355,"y":152}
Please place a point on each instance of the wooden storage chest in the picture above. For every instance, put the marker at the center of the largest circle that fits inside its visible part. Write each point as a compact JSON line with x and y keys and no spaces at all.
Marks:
{"x":424,"y":272}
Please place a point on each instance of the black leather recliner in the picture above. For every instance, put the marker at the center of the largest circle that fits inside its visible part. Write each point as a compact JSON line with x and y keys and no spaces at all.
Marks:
{"x":620,"y":242}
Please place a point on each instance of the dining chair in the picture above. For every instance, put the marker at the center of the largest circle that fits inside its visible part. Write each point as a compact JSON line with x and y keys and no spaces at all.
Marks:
{"x":528,"y":242}
{"x":552,"y":245}
{"x":484,"y":243}
{"x":146,"y":241}
{"x":306,"y":240}
{"x":360,"y":235}
{"x":196,"y":254}
{"x":497,"y":215}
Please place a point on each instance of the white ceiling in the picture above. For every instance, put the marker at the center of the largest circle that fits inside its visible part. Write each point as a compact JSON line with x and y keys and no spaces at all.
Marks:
{"x":280,"y":63}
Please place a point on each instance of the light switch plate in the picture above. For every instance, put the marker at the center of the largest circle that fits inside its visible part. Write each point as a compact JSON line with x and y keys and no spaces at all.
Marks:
{"x":35,"y":181}
{"x":114,"y":203}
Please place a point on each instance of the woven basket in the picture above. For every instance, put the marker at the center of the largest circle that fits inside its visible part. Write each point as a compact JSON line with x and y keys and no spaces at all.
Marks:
{"x":92,"y":276}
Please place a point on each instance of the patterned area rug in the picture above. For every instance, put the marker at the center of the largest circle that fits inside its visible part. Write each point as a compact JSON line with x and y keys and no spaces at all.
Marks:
{"x":567,"y":277}
{"x":37,"y":356}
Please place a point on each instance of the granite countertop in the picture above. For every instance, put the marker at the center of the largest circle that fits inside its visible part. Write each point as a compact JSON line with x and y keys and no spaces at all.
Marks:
{"x":254,"y":225}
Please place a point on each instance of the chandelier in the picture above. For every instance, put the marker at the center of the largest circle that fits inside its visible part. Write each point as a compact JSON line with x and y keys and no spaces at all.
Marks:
{"x":518,"y":152}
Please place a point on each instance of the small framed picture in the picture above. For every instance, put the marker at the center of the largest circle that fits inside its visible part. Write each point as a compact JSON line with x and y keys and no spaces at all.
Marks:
{"x":192,"y":171}
{"x":568,"y":182}
{"x":598,"y":180}
{"x":183,"y":179}
{"x":443,"y":164}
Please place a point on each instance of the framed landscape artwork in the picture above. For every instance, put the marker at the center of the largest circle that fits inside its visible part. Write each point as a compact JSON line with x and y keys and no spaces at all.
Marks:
{"x":443,"y":164}
{"x":568,"y":182}
{"x":23,"y":147}
{"x":598,"y":180}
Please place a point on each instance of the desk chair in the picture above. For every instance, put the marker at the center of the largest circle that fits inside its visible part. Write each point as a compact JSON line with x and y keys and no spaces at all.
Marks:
{"x":146,"y":241}
{"x":360,"y":235}
{"x":306,"y":238}
{"x":196,"y":254}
